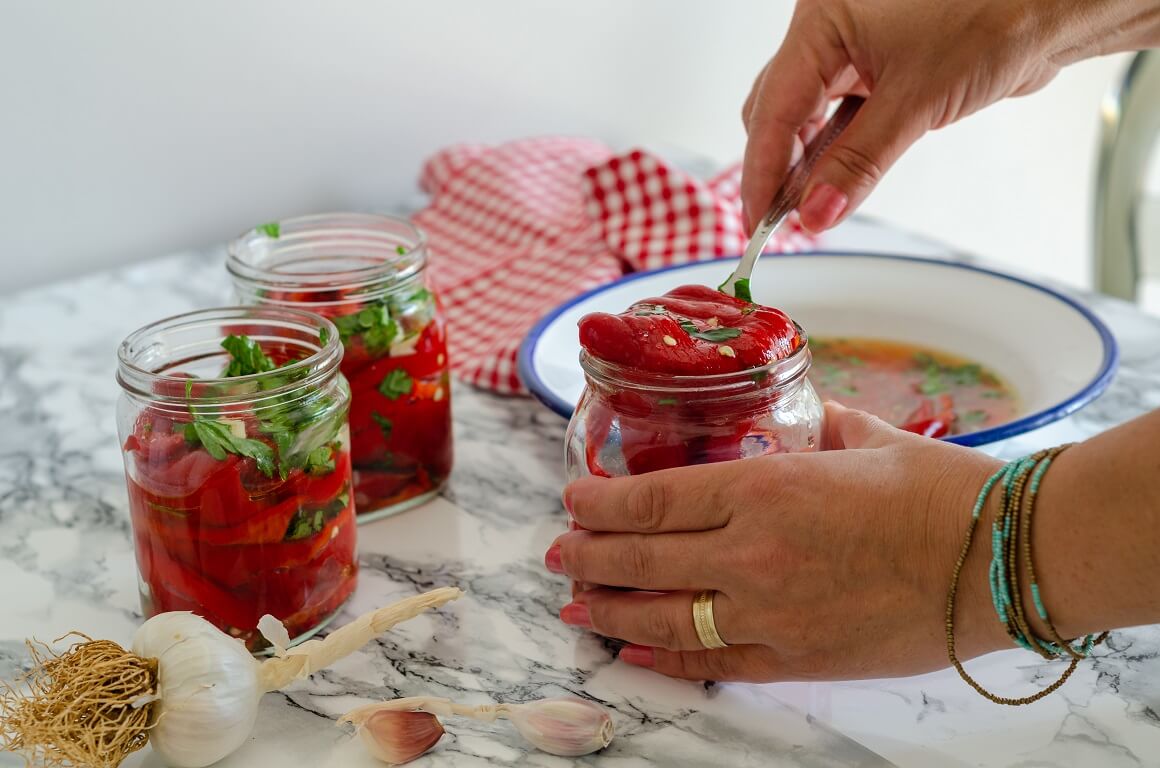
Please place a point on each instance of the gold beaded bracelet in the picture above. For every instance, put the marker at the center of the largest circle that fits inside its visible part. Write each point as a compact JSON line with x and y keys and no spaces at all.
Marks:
{"x":1011,"y":537}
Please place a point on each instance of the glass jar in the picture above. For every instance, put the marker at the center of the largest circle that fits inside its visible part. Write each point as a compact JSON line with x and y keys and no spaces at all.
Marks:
{"x":366,"y":273}
{"x":630,"y":422}
{"x":239,"y":485}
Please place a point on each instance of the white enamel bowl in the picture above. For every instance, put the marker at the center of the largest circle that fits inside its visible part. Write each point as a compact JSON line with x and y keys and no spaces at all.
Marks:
{"x":1053,"y":351}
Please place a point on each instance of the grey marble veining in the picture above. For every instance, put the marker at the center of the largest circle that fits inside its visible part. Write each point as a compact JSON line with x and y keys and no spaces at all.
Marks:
{"x":66,"y":562}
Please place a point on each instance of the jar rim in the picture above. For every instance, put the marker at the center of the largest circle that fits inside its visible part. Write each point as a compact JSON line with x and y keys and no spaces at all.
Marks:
{"x":397,"y":245}
{"x":307,"y":373}
{"x":777,"y":374}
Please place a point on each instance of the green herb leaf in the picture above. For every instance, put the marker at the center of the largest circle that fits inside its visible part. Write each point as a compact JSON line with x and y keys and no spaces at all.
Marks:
{"x":710,"y":334}
{"x":246,"y":357}
{"x":270,"y":229}
{"x":323,"y":336}
{"x":320,"y":461}
{"x":219,"y":440}
{"x":384,"y":423}
{"x":741,"y":290}
{"x":373,"y":323}
{"x":667,"y":401}
{"x":421,"y":296}
{"x":400,"y":250}
{"x":309,"y":521}
{"x":965,"y":375}
{"x":974,"y":417}
{"x":932,"y":384}
{"x":396,"y":384}
{"x":188,"y":389}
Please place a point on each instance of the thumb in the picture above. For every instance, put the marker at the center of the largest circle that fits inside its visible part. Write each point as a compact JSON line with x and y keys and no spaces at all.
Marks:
{"x":848,"y":171}
{"x":847,"y":428}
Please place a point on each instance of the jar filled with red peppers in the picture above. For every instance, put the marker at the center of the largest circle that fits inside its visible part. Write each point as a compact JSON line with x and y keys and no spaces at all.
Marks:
{"x":691,"y":377}
{"x":233,"y":425}
{"x":366,"y":273}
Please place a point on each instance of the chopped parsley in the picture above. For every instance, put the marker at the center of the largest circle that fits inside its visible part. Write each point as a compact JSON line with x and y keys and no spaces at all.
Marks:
{"x":710,"y":334}
{"x":937,"y":377}
{"x":667,"y":401}
{"x":396,"y":384}
{"x":385,"y":424}
{"x":374,"y":323}
{"x":270,"y":229}
{"x":974,"y":417}
{"x":402,"y":251}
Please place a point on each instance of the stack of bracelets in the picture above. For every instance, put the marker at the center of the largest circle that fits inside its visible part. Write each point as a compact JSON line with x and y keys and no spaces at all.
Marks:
{"x":1011,"y":562}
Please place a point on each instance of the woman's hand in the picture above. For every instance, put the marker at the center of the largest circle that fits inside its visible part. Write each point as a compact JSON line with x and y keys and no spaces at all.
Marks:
{"x":831,"y":565}
{"x":923,"y":64}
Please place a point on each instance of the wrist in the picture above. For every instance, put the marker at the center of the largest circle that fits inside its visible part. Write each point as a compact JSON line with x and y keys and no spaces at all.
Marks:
{"x":1083,"y":29}
{"x":977,"y":630}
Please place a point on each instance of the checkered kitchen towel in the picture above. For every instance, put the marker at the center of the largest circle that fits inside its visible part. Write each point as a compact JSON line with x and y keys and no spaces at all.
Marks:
{"x":518,"y":229}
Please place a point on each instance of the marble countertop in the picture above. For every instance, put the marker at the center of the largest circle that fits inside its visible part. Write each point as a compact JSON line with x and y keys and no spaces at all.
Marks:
{"x":66,"y":562}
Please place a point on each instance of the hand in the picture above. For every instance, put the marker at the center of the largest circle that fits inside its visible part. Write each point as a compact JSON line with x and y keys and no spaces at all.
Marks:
{"x":922,"y":64}
{"x":831,"y":565}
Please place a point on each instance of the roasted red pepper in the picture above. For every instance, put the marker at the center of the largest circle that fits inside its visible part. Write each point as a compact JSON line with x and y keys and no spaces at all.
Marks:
{"x":400,"y":418}
{"x":690,"y":331}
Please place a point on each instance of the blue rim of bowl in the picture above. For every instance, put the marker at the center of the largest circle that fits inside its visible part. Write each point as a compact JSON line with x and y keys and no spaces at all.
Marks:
{"x":1088,"y":393}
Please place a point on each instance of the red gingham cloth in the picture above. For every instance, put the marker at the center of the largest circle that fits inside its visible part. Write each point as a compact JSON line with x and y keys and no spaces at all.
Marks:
{"x":518,"y":229}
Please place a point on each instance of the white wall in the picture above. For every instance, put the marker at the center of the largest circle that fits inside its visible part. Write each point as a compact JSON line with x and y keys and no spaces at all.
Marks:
{"x":135,"y":128}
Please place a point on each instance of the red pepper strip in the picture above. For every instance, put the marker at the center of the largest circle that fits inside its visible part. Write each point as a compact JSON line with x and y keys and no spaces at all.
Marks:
{"x":237,"y":564}
{"x":172,"y":579}
{"x":928,"y":428}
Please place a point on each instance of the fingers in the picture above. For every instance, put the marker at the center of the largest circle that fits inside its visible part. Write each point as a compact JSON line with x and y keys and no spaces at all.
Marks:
{"x":684,"y":499}
{"x":790,"y":92}
{"x":741,"y":663}
{"x":665,"y":562}
{"x":849,"y":170}
{"x":848,"y":428}
{"x":659,"y":620}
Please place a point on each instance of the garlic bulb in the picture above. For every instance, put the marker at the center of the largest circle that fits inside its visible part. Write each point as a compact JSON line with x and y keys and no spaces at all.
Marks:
{"x":564,"y":726}
{"x":186,"y":687}
{"x":208,"y":689}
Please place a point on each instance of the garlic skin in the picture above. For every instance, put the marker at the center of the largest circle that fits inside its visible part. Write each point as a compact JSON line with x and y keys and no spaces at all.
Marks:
{"x":564,"y":726}
{"x":400,"y":737}
{"x":208,"y":688}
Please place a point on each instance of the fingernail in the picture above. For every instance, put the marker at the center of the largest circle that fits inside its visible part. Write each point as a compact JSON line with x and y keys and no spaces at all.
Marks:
{"x":638,"y":655}
{"x":576,"y":615}
{"x":567,"y":497}
{"x":822,"y":208}
{"x":745,"y":217}
{"x":553,"y":561}
{"x":799,"y":149}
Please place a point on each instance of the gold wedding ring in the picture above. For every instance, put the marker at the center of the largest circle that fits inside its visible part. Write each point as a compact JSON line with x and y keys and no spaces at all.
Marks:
{"x":703,"y":620}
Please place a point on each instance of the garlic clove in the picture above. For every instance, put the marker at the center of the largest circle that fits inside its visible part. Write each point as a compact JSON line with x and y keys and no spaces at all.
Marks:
{"x":397,"y":737}
{"x":567,"y":726}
